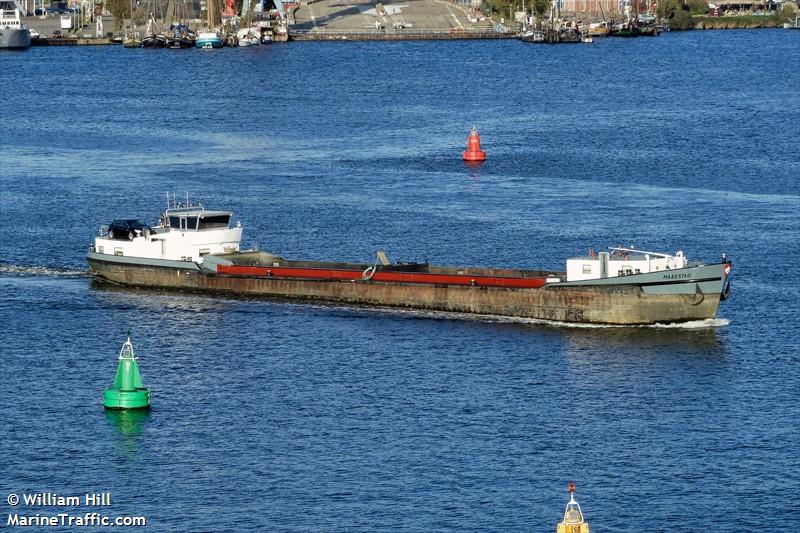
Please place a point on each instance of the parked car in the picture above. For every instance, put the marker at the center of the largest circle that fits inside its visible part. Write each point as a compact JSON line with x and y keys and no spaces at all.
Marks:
{"x":34,"y":34}
{"x":127,"y":229}
{"x":57,"y":34}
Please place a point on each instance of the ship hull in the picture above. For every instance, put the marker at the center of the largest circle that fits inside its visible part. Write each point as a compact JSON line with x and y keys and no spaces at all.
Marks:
{"x":627,"y":303}
{"x":14,"y":38}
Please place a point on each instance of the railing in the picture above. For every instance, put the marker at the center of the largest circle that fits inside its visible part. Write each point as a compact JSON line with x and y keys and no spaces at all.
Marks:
{"x":23,"y":11}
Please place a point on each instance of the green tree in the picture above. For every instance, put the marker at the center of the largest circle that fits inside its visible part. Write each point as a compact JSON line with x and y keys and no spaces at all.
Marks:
{"x":696,"y":7}
{"x":121,"y":9}
{"x":540,"y":7}
{"x":676,"y":12}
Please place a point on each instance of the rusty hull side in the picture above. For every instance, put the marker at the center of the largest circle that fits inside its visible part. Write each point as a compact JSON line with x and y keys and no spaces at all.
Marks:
{"x":622,"y":305}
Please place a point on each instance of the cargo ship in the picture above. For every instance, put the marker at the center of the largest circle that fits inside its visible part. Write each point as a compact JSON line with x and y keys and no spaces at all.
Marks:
{"x":196,"y":249}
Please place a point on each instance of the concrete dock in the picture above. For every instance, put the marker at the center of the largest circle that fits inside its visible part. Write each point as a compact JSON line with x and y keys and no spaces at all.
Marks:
{"x":390,"y":20}
{"x":336,"y":20}
{"x":45,"y":26}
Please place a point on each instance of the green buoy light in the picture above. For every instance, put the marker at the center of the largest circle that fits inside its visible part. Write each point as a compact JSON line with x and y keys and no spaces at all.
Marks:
{"x":128,"y":391}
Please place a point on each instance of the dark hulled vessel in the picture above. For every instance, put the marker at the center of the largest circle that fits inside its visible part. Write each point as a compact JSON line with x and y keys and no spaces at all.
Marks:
{"x":195,"y":249}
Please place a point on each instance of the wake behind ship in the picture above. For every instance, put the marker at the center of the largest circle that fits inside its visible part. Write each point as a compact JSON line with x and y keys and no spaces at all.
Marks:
{"x":192,"y":248}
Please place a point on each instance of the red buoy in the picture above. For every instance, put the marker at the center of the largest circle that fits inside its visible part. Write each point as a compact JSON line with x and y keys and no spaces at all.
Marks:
{"x":473,"y":151}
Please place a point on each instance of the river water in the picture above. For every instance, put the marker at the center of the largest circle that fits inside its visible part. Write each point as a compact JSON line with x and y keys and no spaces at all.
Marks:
{"x":299,"y":417}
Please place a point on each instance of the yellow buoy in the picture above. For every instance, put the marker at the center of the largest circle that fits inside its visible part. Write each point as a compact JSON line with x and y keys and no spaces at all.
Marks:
{"x":573,"y":517}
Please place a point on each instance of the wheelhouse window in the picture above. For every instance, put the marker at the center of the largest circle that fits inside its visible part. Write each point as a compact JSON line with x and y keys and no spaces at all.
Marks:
{"x":214,"y":222}
{"x":183,"y":223}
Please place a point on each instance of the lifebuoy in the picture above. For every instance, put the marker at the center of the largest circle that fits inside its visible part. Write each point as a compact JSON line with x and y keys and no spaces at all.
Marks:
{"x":130,"y":235}
{"x":111,"y":234}
{"x":368,"y":273}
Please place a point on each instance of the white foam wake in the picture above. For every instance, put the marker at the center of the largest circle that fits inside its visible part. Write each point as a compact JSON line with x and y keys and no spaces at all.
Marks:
{"x":696,"y":324}
{"x":471,"y":317}
{"x":34,"y":270}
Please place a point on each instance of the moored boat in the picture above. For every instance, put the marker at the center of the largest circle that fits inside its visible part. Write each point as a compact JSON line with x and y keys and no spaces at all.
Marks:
{"x":208,"y":39}
{"x":629,"y":28}
{"x":598,"y":29}
{"x":180,"y":36}
{"x":248,"y":37}
{"x":154,"y":40}
{"x":192,"y":248}
{"x":131,"y":40}
{"x":563,"y":34}
{"x":14,"y":34}
{"x":533,"y":36}
{"x":280,"y":33}
{"x":153,"y":37}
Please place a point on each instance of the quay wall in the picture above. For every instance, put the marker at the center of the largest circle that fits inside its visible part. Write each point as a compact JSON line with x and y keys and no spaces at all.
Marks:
{"x":71,"y":41}
{"x":734,"y":23}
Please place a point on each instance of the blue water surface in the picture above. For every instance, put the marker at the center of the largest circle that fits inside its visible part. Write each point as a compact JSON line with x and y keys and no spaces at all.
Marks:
{"x":275,"y":416}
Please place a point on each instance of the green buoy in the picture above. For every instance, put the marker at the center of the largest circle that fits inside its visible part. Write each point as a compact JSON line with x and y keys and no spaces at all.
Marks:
{"x":128,"y":391}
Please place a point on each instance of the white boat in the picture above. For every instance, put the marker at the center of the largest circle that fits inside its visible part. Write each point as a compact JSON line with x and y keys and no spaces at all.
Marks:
{"x":533,"y":36}
{"x":281,"y":33}
{"x":13,"y":33}
{"x":598,"y":29}
{"x":266,"y":37}
{"x":247,"y":37}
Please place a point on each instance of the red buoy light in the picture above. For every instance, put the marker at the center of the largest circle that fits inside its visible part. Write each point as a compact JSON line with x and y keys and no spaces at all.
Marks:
{"x":473,"y":151}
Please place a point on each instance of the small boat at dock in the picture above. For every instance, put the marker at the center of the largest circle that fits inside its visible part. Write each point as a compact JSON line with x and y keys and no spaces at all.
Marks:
{"x":192,"y":248}
{"x":180,"y":36}
{"x":533,"y":36}
{"x":556,"y":30}
{"x":248,"y":37}
{"x":153,"y":38}
{"x":209,"y":39}
{"x":131,"y":40}
{"x":598,"y":29}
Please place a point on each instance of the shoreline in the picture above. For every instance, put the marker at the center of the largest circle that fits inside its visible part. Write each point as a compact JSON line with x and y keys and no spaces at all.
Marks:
{"x":84,"y":38}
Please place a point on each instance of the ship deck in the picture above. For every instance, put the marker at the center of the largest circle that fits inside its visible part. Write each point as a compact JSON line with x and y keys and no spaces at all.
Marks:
{"x":261,"y":264}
